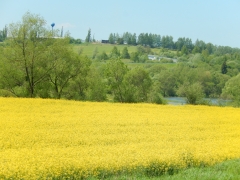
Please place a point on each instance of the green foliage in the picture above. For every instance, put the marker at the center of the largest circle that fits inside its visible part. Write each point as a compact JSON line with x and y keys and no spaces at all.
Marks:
{"x":111,"y":39}
{"x":155,"y":96}
{"x":25,"y":57}
{"x":222,"y":171}
{"x":193,"y":92}
{"x":139,"y":83}
{"x":34,"y":64}
{"x":115,"y":72}
{"x":125,"y":54}
{"x":103,"y":56}
{"x":167,"y":83}
{"x":3,"y":34}
{"x":75,"y":41}
{"x":196,"y":60}
{"x":96,"y":90}
{"x":165,"y":60}
{"x":184,"y":50}
{"x":205,"y":54}
{"x":127,"y":85}
{"x":141,"y":55}
{"x":231,"y":89}
{"x":120,"y":40}
{"x":134,"y":56}
{"x":224,"y":67}
{"x":156,"y":69}
{"x":196,"y":49}
{"x":88,"y":37}
{"x":95,"y":52}
{"x":114,"y":54}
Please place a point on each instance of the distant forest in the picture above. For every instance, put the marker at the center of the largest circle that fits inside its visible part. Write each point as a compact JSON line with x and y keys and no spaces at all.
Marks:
{"x":182,"y":44}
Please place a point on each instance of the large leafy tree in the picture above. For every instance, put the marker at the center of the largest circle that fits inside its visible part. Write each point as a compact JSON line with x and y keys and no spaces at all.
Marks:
{"x":36,"y":64}
{"x":138,"y":84}
{"x":25,"y":57}
{"x":115,"y":73}
{"x":68,"y":67}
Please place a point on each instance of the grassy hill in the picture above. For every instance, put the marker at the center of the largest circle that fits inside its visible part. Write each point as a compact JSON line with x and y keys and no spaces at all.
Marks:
{"x":88,"y":49}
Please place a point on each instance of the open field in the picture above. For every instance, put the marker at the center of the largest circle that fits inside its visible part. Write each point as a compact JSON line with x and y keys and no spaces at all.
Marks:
{"x":87,"y":49}
{"x":42,"y":139}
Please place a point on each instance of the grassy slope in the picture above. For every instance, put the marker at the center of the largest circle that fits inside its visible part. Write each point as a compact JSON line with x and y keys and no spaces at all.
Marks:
{"x":222,"y":171}
{"x":87,"y":50}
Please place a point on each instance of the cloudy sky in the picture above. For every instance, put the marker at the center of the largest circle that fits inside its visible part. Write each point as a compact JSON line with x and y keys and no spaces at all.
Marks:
{"x":215,"y":21}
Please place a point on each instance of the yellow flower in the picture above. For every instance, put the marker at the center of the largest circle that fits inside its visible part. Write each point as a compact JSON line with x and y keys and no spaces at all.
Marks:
{"x":43,"y":138}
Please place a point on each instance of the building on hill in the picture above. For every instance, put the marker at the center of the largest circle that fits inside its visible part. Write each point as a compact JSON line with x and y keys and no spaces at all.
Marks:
{"x":105,"y":41}
{"x":152,"y":57}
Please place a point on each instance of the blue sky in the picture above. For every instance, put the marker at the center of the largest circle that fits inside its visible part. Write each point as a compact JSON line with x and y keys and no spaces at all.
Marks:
{"x":215,"y":21}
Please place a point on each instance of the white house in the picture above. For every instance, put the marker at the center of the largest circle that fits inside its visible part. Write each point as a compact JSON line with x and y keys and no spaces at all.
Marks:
{"x":152,"y":57}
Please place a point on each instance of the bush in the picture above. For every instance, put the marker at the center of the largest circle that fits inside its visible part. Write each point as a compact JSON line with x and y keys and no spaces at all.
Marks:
{"x":193,"y":93}
{"x":165,"y":60}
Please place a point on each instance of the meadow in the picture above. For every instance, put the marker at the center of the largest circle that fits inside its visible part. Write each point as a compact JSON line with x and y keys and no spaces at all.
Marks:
{"x":88,"y":49}
{"x":60,"y":139}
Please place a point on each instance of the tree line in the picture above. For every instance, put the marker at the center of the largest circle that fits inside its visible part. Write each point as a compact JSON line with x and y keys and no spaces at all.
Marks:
{"x":157,"y":41}
{"x":35,"y":64}
{"x":3,"y":34}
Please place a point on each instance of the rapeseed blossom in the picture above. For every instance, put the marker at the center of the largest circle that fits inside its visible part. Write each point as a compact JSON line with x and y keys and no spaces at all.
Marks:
{"x":43,"y":138}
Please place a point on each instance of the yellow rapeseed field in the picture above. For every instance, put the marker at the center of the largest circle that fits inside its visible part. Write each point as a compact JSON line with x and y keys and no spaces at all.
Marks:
{"x":42,"y":139}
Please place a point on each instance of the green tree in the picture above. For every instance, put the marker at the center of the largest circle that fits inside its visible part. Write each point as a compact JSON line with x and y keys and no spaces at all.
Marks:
{"x":231,"y":89}
{"x":125,"y":54}
{"x":114,"y":53}
{"x":193,"y":92}
{"x":134,"y":39}
{"x":69,"y":66}
{"x":88,"y":37}
{"x":36,"y":65}
{"x":3,"y":34}
{"x":196,"y":49}
{"x":224,"y":67}
{"x":120,"y":40}
{"x":134,"y":56}
{"x":167,"y":83}
{"x":25,"y":57}
{"x":111,"y":39}
{"x":138,"y":84}
{"x":103,"y":56}
{"x":205,"y":54}
{"x":96,"y":89}
{"x":115,"y":72}
{"x":184,"y":50}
